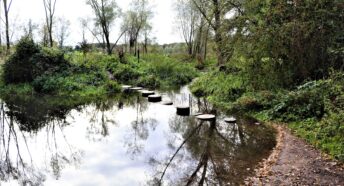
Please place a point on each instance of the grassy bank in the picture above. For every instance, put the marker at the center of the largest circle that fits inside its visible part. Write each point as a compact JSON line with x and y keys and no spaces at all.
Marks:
{"x":33,"y":69}
{"x":313,"y":110}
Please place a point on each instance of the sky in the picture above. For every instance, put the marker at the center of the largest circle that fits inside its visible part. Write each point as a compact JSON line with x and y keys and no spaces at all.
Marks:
{"x":24,"y":10}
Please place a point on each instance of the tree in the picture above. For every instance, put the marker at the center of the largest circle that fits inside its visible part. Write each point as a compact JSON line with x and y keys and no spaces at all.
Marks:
{"x":44,"y":35}
{"x":84,"y":46}
{"x":146,"y":40}
{"x":285,"y":43}
{"x":106,"y":11}
{"x":49,"y":8}
{"x":62,"y":30}
{"x":187,"y":19}
{"x":95,"y":31}
{"x":136,"y":21}
{"x":7,"y":7}
{"x":30,"y":28}
{"x":214,"y":12}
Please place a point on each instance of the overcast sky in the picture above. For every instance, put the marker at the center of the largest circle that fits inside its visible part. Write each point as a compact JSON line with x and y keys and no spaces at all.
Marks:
{"x":163,"y":21}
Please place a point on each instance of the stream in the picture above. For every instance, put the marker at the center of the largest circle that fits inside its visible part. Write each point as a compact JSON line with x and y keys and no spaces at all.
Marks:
{"x":125,"y":140}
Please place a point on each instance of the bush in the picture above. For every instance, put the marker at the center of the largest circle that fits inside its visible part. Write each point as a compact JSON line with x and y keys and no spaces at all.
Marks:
{"x":18,"y":68}
{"x":149,"y":81}
{"x":172,"y":72}
{"x":48,"y":61}
{"x":30,"y":61}
{"x":46,"y":84}
{"x":112,"y":86}
{"x":125,"y":73}
{"x":219,"y":86}
{"x":300,"y":104}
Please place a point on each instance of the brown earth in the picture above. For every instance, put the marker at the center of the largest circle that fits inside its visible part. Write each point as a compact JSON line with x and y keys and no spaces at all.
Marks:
{"x":294,"y":162}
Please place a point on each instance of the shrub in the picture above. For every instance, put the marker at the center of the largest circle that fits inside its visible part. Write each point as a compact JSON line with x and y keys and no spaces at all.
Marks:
{"x":149,"y":81}
{"x":125,"y":73}
{"x":18,"y":68}
{"x":48,"y":61}
{"x":306,"y":102}
{"x":30,"y":61}
{"x":112,"y":86}
{"x":219,"y":86}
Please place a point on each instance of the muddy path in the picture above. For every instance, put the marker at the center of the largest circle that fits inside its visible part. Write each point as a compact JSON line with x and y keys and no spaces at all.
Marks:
{"x":295,"y":162}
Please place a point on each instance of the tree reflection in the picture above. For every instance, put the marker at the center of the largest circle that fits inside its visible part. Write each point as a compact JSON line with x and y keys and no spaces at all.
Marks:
{"x":24,"y":116}
{"x":140,"y":128}
{"x":215,"y":153}
{"x":17,"y":169}
{"x":101,"y":114}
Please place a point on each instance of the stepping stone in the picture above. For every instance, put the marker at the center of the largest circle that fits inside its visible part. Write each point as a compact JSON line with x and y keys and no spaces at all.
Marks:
{"x":183,"y":110}
{"x":126,"y":86}
{"x":147,"y":93}
{"x":230,"y":120}
{"x":167,"y":102}
{"x":136,"y":88}
{"x":197,"y":114}
{"x":154,"y":98}
{"x":206,"y":117}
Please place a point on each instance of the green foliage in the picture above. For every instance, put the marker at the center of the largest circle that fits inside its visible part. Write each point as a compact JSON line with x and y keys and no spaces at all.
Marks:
{"x":286,"y":43}
{"x":18,"y":68}
{"x":76,"y":78}
{"x":315,"y":110}
{"x":326,"y":134}
{"x":48,"y":61}
{"x":53,"y":72}
{"x":220,"y":87}
{"x":255,"y":101}
{"x":149,"y":81}
{"x":112,"y":86}
{"x":306,"y":102}
{"x":169,"y":70}
{"x":30,"y":61}
{"x":125,"y":73}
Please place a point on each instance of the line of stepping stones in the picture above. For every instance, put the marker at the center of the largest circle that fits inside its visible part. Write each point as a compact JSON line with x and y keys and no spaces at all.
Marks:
{"x":182,"y":110}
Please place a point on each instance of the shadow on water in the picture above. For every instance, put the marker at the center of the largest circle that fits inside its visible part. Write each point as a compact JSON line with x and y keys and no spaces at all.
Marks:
{"x":41,"y":138}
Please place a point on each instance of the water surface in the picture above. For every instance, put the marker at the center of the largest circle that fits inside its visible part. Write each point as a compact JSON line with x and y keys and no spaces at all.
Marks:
{"x":124,"y":140}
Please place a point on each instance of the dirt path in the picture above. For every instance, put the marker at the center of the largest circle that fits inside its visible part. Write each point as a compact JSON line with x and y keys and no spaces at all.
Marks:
{"x":294,"y":162}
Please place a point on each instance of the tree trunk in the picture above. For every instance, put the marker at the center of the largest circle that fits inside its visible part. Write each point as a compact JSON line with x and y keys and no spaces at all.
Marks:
{"x":218,"y":36}
{"x":206,"y":43}
{"x":51,"y":41}
{"x":6,"y":10}
{"x":108,"y":44}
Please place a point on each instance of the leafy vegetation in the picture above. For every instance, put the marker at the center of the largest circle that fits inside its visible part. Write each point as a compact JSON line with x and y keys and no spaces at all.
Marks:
{"x":50,"y":71}
{"x":313,"y":110}
{"x":280,"y":66}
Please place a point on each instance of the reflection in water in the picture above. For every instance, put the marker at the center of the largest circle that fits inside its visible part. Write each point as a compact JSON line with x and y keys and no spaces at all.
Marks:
{"x":223,"y":154}
{"x":124,"y":140}
{"x":139,"y":131}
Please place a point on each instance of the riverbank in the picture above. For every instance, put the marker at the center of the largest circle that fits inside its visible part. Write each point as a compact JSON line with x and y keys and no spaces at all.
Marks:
{"x":295,"y":162}
{"x":33,"y":69}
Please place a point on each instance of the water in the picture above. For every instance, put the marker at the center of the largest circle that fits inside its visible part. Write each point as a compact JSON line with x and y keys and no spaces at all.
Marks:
{"x":124,"y":140}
